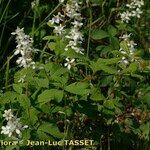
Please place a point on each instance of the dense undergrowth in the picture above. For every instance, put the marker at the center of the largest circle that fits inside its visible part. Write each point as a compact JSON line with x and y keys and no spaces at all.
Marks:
{"x":75,"y":70}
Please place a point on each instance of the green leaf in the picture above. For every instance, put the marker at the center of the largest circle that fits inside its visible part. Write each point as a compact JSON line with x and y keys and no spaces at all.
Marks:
{"x":30,"y":116}
{"x":50,"y":37}
{"x":131,"y":69}
{"x":109,"y":104}
{"x":54,"y":69}
{"x":98,"y":66}
{"x":145,"y":130}
{"x":79,"y":88}
{"x":96,"y":94}
{"x":112,"y":30}
{"x":51,"y":129}
{"x":109,"y":61}
{"x":24,"y":101}
{"x":42,"y":82}
{"x":124,"y":45}
{"x":146,"y":98}
{"x":26,"y":134}
{"x":115,"y":43}
{"x":8,"y":97}
{"x":52,"y":45}
{"x":17,"y":88}
{"x":99,"y":34}
{"x":44,"y":136}
{"x":48,"y":95}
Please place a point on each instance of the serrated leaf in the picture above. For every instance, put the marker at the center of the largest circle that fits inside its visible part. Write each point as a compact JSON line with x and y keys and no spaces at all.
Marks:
{"x":109,"y":104}
{"x":30,"y":116}
{"x":17,"y":88}
{"x":79,"y":88}
{"x":8,"y":97}
{"x":97,"y":66}
{"x":24,"y":101}
{"x":96,"y":94}
{"x":48,"y":95}
{"x":109,"y":61}
{"x":51,"y":129}
{"x":131,"y":69}
{"x":42,"y":82}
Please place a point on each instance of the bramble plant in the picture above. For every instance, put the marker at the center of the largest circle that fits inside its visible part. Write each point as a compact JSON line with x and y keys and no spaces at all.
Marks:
{"x":80,"y":73}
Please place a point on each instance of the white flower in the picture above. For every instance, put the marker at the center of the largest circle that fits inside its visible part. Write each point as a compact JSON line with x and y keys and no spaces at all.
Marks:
{"x":18,"y":31}
{"x":69,"y":63}
{"x":8,"y":114}
{"x":134,"y":10}
{"x":13,"y":126}
{"x":61,"y":1}
{"x":34,"y":3}
{"x":6,"y":130}
{"x":59,"y":30}
{"x":57,"y":19}
{"x":75,"y":35}
{"x":137,"y":13}
{"x":24,"y":48}
{"x":125,"y":16}
{"x":77,"y":24}
{"x":125,"y":36}
{"x":70,"y":11}
{"x":131,"y":45}
{"x":139,"y":3}
{"x":125,"y":61}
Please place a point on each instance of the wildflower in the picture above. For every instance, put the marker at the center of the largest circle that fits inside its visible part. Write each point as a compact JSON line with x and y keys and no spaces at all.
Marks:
{"x":131,"y":48}
{"x":134,"y":10}
{"x":24,"y":48}
{"x":125,"y":61}
{"x":131,"y":44}
{"x":57,"y":19}
{"x":69,"y":63}
{"x":125,"y":36}
{"x":8,"y":114}
{"x":59,"y":30}
{"x":6,"y":130}
{"x":13,"y":126}
{"x":137,"y":13}
{"x":61,"y":1}
{"x":125,"y":16}
{"x":77,"y":24}
{"x":34,"y":4}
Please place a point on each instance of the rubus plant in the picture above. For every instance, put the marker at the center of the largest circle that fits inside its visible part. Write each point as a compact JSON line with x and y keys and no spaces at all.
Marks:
{"x":90,"y":81}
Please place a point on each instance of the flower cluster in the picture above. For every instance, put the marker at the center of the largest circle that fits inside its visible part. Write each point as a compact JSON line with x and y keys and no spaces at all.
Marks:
{"x":34,"y":4}
{"x":24,"y":48}
{"x":73,"y":36}
{"x":13,"y":126}
{"x":69,"y":63}
{"x":131,"y":49}
{"x":134,"y":10}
